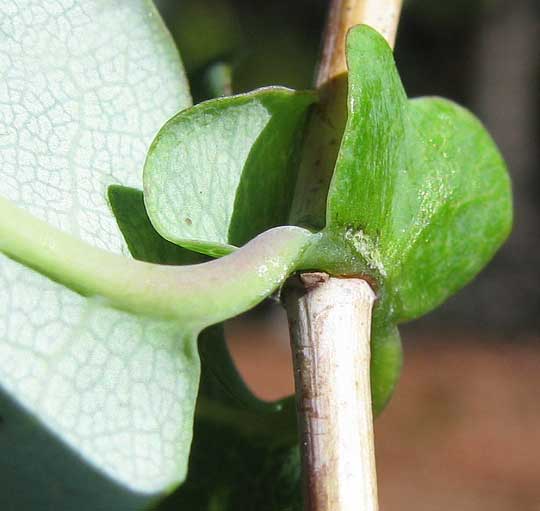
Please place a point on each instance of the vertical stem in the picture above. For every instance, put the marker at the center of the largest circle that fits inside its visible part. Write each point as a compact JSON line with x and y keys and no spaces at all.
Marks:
{"x":330,"y":321}
{"x":330,"y":318}
{"x":382,"y":15}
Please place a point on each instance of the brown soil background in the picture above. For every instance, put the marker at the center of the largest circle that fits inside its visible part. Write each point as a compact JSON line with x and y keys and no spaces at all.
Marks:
{"x":462,"y":431}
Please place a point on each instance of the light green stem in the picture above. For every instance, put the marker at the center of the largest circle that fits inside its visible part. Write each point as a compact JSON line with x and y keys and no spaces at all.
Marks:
{"x":197,"y":295}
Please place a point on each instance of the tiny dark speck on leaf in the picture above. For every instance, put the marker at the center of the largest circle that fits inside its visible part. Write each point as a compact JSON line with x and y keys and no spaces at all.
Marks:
{"x":188,"y":221}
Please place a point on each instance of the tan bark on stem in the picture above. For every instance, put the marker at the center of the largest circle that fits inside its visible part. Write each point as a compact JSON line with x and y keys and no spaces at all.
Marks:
{"x":382,"y":15}
{"x":330,"y":321}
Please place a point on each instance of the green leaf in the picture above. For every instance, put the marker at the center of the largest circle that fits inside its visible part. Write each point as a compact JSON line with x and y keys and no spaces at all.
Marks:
{"x":225,"y":399}
{"x":222,"y":172}
{"x":419,"y":201}
{"x":386,"y":360}
{"x":419,"y":190}
{"x":99,"y":417}
{"x":457,"y":212}
{"x":245,"y":454}
{"x":144,"y":243}
{"x":99,"y":400}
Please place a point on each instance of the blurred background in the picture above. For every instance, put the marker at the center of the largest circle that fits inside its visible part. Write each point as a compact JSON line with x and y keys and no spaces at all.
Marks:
{"x":463,"y":429}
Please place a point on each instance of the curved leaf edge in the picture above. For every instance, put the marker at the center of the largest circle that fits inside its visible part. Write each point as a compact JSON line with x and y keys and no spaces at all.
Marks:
{"x":197,"y":244}
{"x":356,"y":252}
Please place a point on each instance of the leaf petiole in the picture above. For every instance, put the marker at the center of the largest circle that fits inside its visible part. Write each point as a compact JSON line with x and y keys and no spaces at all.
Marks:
{"x":195,"y":295}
